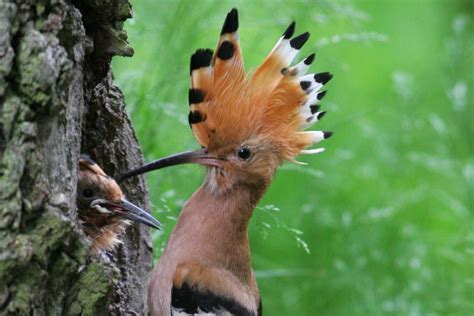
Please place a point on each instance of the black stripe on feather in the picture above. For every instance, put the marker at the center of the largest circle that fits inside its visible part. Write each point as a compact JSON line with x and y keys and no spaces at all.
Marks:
{"x":226,"y":50}
{"x":189,"y":300}
{"x":195,"y":117}
{"x":314,"y":108}
{"x":195,"y":96}
{"x":201,"y":58}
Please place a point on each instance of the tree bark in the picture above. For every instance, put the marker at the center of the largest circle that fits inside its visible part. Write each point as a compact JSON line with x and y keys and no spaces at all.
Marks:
{"x":58,"y":100}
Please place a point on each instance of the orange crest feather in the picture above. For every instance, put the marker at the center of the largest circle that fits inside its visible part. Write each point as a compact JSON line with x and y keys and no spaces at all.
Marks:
{"x":276,"y":102}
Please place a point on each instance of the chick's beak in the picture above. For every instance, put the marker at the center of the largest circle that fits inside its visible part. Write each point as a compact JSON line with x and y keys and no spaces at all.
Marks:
{"x":136,"y":214}
{"x":128,"y":210}
{"x":200,"y":156}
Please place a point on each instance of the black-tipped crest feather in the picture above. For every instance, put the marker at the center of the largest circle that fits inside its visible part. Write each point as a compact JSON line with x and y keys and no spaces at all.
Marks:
{"x":309,"y":60}
{"x":320,"y":115}
{"x":327,"y":134}
{"x":321,"y":95}
{"x":195,"y":96}
{"x":323,"y":77}
{"x":195,"y":117}
{"x":85,"y":158}
{"x":231,"y":23}
{"x":289,"y":31}
{"x":299,"y":41}
{"x":201,"y":58}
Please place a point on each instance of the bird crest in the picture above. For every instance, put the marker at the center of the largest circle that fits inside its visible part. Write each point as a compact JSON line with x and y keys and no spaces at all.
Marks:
{"x":275,"y":103}
{"x":248,"y":124}
{"x":86,"y":163}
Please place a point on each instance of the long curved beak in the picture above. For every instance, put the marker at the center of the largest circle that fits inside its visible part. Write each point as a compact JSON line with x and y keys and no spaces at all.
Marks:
{"x":136,"y":214}
{"x":128,"y":210}
{"x":199,"y":156}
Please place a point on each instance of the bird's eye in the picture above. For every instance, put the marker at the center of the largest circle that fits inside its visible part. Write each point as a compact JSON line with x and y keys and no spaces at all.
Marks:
{"x":87,"y":193}
{"x":244,"y":153}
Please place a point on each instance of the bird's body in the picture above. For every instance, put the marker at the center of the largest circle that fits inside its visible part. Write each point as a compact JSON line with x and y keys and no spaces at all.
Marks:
{"x":247,"y":127}
{"x":209,"y":244}
{"x":103,"y":211}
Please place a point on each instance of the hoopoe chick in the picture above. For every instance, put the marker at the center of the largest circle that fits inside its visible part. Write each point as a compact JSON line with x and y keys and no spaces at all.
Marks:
{"x":103,"y":211}
{"x":247,"y":126}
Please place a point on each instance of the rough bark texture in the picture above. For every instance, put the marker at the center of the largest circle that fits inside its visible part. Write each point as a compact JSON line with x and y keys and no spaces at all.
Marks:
{"x":57,"y":100}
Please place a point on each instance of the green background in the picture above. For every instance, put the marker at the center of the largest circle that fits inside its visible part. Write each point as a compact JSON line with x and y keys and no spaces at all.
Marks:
{"x":383,"y":221}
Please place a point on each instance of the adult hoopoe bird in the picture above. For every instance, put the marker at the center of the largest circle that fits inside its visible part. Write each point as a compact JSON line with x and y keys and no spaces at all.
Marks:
{"x":103,"y":211}
{"x":247,"y":127}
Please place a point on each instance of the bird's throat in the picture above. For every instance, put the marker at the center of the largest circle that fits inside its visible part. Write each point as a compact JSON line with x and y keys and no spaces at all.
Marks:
{"x":214,"y":228}
{"x":232,"y":208}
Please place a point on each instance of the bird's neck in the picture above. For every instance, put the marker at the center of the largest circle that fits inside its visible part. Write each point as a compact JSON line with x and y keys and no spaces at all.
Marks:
{"x":102,"y":229}
{"x":232,"y":208}
{"x":213,"y":228}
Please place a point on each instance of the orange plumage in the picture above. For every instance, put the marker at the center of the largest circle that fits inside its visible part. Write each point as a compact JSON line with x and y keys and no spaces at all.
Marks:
{"x":274,"y":103}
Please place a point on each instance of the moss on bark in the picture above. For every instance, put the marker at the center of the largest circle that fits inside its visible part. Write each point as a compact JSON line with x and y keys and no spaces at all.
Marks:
{"x":57,"y":100}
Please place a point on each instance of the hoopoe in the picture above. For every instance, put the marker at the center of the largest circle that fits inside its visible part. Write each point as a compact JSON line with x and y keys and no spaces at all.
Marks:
{"x":247,"y":126}
{"x":103,"y":211}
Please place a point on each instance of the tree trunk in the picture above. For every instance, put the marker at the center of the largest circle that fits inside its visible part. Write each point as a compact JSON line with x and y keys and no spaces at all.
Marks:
{"x":57,"y":100}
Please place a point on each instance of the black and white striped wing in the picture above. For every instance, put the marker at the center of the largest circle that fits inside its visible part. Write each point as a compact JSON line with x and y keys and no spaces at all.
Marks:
{"x":188,"y":300}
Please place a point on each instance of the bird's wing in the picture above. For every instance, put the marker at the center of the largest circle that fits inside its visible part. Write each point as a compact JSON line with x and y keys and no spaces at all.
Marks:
{"x":189,"y":300}
{"x":209,"y":291}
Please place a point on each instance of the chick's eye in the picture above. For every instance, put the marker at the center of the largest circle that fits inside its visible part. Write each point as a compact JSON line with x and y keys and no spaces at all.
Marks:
{"x":87,"y":193}
{"x":244,"y":153}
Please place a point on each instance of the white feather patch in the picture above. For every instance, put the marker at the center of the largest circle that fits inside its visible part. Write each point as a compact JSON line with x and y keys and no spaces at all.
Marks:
{"x":101,"y":209}
{"x":316,"y":136}
{"x":312,"y":151}
{"x":314,"y":86}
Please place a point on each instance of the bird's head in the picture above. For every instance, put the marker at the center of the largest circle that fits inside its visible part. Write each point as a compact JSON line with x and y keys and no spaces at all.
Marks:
{"x":100,"y":200}
{"x":249,"y":124}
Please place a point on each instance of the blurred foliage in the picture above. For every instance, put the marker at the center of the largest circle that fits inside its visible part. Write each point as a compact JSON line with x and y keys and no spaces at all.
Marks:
{"x":383,"y":221}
